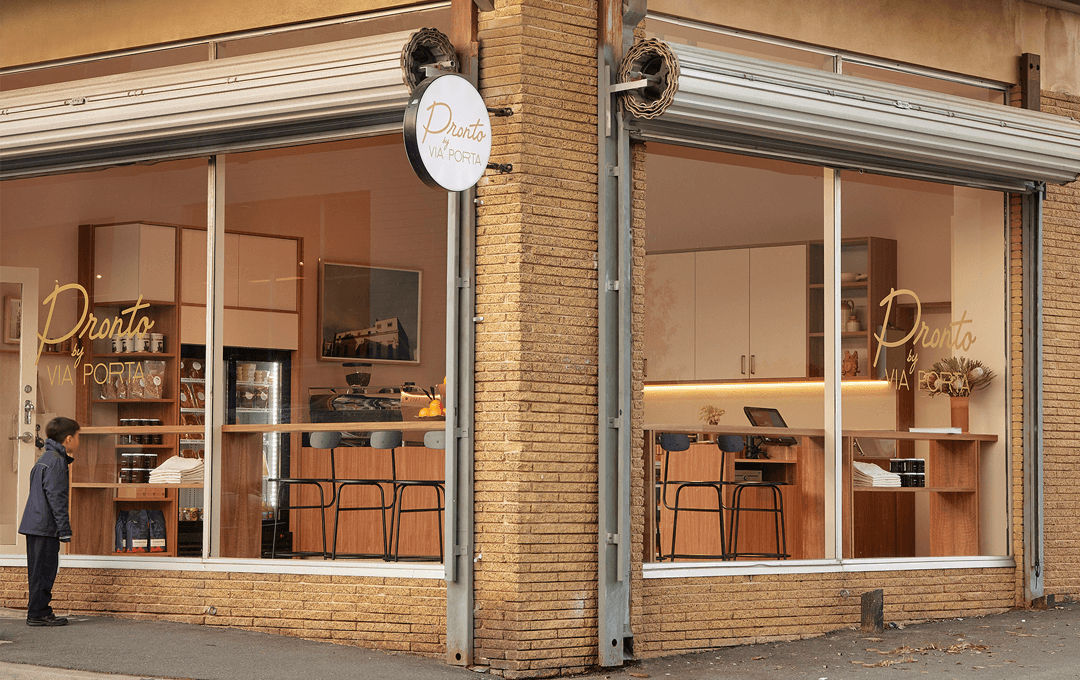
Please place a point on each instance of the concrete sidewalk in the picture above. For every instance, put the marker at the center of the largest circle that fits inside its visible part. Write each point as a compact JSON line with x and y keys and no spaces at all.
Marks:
{"x":1018,"y":645}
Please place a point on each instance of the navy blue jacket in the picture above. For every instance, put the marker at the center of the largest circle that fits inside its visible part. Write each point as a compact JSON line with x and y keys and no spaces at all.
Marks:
{"x":46,"y":511}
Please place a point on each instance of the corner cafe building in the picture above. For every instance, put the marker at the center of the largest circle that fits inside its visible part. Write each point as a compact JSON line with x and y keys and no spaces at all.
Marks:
{"x":697,"y":214}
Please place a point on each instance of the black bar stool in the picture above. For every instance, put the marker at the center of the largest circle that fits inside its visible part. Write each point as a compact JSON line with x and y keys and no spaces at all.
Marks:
{"x":317,"y":440}
{"x":435,"y":439}
{"x":733,"y":444}
{"x":676,"y":443}
{"x":379,"y":440}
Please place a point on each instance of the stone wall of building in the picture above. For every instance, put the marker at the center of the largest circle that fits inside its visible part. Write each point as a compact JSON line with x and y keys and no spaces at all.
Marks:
{"x":1061,"y":358}
{"x":536,"y":347}
{"x":398,"y":614}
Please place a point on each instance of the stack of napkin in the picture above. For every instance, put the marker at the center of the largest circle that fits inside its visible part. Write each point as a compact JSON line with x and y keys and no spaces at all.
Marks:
{"x":864,"y":474}
{"x":177,"y":470}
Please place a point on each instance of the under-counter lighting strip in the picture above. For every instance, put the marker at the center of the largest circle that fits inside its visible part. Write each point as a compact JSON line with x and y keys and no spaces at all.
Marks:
{"x":817,"y":386}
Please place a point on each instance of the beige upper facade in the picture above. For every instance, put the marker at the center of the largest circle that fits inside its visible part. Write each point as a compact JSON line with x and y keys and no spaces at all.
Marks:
{"x":980,"y":38}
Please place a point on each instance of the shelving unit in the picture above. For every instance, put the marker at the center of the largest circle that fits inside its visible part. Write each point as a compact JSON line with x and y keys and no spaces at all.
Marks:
{"x":870,"y":256}
{"x":122,"y":267}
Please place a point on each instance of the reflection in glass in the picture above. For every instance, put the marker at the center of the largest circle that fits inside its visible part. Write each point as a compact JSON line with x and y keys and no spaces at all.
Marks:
{"x":728,"y":271}
{"x":933,"y":256}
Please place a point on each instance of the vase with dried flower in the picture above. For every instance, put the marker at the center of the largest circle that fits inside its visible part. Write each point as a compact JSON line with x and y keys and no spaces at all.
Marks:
{"x":956,"y":377}
{"x":711,"y":414}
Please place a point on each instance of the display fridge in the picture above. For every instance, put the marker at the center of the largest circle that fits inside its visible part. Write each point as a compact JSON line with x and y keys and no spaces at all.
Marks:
{"x":257,"y":388}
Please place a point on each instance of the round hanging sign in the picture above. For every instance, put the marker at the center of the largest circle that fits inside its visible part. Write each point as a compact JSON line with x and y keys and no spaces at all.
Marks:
{"x":447,"y":132}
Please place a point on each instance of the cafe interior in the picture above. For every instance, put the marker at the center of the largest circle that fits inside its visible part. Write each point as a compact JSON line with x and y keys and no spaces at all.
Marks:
{"x":791,"y":414}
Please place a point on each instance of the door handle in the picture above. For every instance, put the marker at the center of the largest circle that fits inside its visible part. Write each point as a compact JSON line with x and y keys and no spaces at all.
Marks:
{"x":25,"y":438}
{"x":751,"y":364}
{"x":742,"y":364}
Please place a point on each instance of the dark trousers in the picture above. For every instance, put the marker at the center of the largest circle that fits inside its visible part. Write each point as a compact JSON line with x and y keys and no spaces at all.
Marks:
{"x":42,"y":562}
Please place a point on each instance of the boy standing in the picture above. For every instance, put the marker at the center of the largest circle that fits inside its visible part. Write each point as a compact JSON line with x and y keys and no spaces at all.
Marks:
{"x":45,"y":520}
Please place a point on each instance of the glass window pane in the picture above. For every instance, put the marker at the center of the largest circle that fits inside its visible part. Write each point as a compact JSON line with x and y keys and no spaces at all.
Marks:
{"x":673,"y":31}
{"x":105,"y":247}
{"x":392,"y":23}
{"x":334,"y":305}
{"x":729,"y":275}
{"x":924,"y":287}
{"x":105,"y":67}
{"x":942,"y":85}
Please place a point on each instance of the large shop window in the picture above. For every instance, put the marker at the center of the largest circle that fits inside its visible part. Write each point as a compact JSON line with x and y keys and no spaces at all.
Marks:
{"x":733,"y":251}
{"x":737,"y":352}
{"x":330,"y":317}
{"x":924,"y":309}
{"x":105,"y":251}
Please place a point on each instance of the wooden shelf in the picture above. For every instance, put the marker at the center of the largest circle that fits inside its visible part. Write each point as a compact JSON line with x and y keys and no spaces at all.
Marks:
{"x":129,"y":485}
{"x":137,"y":355}
{"x":145,"y":446}
{"x":911,"y":489}
{"x":853,"y":284}
{"x":133,"y":401}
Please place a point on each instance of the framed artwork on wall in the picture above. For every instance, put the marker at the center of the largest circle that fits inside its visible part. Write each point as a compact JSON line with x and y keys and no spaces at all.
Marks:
{"x":369,"y":313}
{"x":12,"y":320}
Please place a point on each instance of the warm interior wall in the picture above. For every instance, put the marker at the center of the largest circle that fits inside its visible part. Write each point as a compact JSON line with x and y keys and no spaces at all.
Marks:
{"x":971,"y":37}
{"x":355,"y":202}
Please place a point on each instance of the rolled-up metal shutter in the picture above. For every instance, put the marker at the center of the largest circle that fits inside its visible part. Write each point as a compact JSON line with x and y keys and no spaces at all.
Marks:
{"x":346,"y":88}
{"x":745,"y":105}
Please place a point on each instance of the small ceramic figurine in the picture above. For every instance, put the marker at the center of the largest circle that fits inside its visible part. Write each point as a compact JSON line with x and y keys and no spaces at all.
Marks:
{"x":850,"y":367}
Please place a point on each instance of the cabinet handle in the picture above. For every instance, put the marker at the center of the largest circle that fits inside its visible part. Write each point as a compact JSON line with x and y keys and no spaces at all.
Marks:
{"x":742,"y":364}
{"x":751,"y":364}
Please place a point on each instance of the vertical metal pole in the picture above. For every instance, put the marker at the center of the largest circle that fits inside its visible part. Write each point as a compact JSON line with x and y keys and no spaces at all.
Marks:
{"x":215,"y":371}
{"x":1032,"y":320}
{"x":460,"y":363}
{"x":614,"y":388}
{"x":834,"y":515}
{"x":460,"y":358}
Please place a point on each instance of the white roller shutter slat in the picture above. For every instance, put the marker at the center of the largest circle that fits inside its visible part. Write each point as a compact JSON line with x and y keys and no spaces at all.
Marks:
{"x":765,"y":108}
{"x":353,"y":86}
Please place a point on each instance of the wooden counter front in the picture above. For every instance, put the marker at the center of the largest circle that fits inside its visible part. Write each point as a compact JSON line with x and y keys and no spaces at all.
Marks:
{"x":877,"y":522}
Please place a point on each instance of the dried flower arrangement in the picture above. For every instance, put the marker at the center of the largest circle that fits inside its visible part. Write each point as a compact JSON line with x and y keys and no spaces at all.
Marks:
{"x":711,"y":414}
{"x":955,"y":377}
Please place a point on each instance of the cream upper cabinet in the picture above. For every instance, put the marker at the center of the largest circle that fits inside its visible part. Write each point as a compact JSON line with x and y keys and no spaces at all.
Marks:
{"x":722,"y":307}
{"x":669,"y":316}
{"x":193,"y":268}
{"x":260,"y":271}
{"x":736,"y":314}
{"x":132,"y":260}
{"x":267,"y":273}
{"x":778,"y":312}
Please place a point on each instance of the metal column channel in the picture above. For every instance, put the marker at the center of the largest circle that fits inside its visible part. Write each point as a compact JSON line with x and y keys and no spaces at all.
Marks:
{"x":460,"y":360}
{"x":614,"y":371}
{"x":1032,"y":319}
{"x":215,"y":373}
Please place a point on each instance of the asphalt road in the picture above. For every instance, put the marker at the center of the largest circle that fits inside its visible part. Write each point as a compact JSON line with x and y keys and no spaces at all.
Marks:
{"x":1018,"y":645}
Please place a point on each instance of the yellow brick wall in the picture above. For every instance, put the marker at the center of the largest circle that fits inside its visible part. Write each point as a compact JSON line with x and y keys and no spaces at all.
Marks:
{"x":536,"y":348}
{"x":684,"y":614}
{"x":407,"y":615}
{"x":1061,"y":356}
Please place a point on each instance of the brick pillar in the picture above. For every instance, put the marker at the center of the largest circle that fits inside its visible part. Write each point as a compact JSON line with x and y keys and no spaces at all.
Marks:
{"x":536,"y":348}
{"x":1061,"y":354}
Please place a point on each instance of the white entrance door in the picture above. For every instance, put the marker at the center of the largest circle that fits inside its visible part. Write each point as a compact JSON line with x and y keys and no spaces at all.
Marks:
{"x":18,"y":398}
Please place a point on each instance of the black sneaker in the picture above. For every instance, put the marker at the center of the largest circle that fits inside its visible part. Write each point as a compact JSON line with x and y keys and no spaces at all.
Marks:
{"x":50,"y":620}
